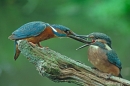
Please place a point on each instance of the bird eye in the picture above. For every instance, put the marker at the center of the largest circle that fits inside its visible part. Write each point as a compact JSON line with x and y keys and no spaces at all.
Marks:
{"x":67,"y":31}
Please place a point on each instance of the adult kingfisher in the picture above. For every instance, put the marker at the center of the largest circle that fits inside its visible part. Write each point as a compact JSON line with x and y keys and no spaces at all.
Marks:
{"x":38,"y":31}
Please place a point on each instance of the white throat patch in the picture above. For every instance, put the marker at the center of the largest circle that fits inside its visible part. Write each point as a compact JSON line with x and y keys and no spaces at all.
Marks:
{"x":93,"y":46}
{"x":53,"y":29}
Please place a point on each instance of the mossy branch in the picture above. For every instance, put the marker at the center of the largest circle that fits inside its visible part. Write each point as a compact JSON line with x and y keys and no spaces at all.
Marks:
{"x":60,"y":68}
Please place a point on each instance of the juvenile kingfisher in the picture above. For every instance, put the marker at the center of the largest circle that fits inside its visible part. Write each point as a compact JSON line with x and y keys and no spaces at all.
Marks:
{"x":101,"y":55}
{"x":38,"y":31}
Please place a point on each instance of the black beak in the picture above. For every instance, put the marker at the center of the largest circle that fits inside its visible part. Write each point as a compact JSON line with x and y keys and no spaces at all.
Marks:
{"x":79,"y":38}
{"x":82,"y":46}
{"x":83,"y":36}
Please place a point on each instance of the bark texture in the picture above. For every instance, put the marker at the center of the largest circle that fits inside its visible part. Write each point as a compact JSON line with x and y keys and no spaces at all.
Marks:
{"x":61,"y":68}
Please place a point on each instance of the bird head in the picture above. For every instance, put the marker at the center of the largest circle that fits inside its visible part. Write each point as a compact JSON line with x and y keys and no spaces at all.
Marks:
{"x":100,"y":37}
{"x":96,"y":37}
{"x":62,"y":31}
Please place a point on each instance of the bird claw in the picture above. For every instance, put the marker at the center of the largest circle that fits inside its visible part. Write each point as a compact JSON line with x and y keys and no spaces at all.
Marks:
{"x":44,"y":47}
{"x":105,"y":75}
{"x":47,"y":47}
{"x":39,"y":45}
{"x":108,"y":76}
{"x":32,"y":44}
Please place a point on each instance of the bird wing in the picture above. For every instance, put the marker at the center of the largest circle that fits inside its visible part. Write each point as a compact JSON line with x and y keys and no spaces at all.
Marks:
{"x":29,"y":29}
{"x":113,"y":58}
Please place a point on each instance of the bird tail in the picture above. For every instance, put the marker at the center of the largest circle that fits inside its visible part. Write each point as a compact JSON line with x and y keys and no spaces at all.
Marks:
{"x":17,"y":51}
{"x":120,"y":74}
{"x":11,"y":37}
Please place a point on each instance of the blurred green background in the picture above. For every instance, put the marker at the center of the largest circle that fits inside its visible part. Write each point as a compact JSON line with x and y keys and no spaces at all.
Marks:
{"x":82,"y":16}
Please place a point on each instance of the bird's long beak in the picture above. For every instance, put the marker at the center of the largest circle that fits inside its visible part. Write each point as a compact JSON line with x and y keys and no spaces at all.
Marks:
{"x":82,"y":46}
{"x":79,"y":38}
{"x":83,"y":36}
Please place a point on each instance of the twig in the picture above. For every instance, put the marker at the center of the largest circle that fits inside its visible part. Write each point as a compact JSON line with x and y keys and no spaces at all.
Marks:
{"x":60,"y":68}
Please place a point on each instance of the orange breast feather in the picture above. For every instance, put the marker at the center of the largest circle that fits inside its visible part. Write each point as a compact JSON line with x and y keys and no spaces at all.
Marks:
{"x":46,"y":34}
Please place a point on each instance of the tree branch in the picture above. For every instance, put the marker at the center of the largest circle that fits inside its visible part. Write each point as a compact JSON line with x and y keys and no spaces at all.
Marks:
{"x":60,"y":68}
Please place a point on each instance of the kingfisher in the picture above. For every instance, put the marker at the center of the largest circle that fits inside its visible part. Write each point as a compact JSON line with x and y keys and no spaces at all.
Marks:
{"x":37,"y":31}
{"x":101,"y":54}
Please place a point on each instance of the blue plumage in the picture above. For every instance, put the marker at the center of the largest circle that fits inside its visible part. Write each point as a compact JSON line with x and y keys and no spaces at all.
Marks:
{"x":113,"y":58}
{"x":29,"y":29}
{"x":38,"y":31}
{"x":61,"y":27}
{"x":99,"y":44}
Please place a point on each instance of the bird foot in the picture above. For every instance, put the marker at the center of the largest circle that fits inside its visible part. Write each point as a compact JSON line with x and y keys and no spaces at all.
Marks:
{"x":32,"y":44}
{"x":47,"y":47}
{"x":108,"y":76}
{"x":44,"y":47}
{"x":105,"y":75}
{"x":39,"y":45}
